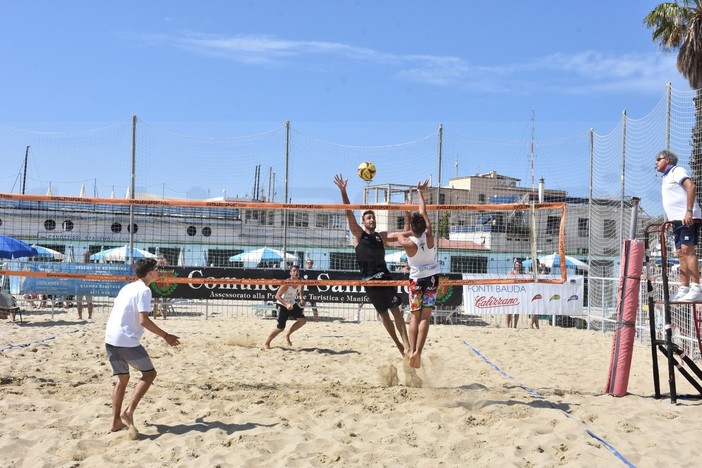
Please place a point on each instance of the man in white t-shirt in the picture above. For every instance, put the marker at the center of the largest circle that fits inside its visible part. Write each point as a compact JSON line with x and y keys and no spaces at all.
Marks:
{"x":125,"y":326}
{"x":683,"y":211}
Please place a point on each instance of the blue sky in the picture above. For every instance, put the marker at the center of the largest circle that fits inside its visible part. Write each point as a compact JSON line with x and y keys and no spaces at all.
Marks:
{"x":352,"y":72}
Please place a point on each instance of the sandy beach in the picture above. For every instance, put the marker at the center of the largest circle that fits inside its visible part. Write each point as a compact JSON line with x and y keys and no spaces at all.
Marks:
{"x":340,"y":396}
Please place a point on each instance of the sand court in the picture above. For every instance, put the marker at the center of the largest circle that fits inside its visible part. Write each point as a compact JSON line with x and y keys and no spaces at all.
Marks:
{"x":484,"y":396}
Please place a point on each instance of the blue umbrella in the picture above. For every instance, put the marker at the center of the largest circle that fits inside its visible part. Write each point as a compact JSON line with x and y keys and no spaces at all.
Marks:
{"x":15,"y":248}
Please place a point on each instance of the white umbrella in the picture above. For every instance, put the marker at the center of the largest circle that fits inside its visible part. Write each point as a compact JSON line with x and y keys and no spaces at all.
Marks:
{"x":120,"y":254}
{"x":396,"y":257}
{"x":264,"y":254}
{"x":554,"y":261}
{"x":45,"y":252}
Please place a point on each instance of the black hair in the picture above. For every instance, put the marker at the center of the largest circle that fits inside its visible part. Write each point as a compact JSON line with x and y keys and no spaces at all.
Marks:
{"x":143,"y":266}
{"x":418,"y":224}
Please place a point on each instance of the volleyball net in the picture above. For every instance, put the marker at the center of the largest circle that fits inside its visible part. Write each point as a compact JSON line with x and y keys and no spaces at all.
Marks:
{"x":254,"y":243}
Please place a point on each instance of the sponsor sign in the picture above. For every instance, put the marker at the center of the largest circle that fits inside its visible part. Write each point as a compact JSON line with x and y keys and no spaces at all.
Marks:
{"x":449,"y":296}
{"x":525,"y":298}
{"x":70,"y":286}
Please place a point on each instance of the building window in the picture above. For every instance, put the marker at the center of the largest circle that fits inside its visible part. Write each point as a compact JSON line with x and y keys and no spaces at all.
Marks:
{"x":268,"y":218}
{"x":553,"y":224}
{"x":321,"y":220}
{"x":251,"y":215}
{"x":134,"y":228}
{"x":116,"y":228}
{"x":49,"y":224}
{"x":207,"y":231}
{"x":609,"y":229}
{"x":583,"y":227}
{"x":481,"y":198}
{"x":68,"y":225}
{"x":400,"y":223}
{"x":442,"y":199}
{"x":298,"y":219}
{"x":192,"y":230}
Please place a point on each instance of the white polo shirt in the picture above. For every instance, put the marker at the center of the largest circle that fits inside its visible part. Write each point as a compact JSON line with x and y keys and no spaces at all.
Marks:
{"x":674,"y":195}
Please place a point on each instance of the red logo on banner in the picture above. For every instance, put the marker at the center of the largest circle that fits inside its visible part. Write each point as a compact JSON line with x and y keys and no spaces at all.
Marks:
{"x":484,"y":302}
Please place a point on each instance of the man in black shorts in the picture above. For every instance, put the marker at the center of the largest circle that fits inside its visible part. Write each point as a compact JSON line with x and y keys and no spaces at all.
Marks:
{"x":370,"y":255}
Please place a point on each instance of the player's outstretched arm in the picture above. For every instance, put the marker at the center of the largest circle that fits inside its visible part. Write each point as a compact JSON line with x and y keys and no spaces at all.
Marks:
{"x":423,"y":207}
{"x":340,"y":182}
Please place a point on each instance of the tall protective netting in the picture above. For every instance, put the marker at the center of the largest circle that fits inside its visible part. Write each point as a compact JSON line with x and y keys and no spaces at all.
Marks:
{"x":260,"y":188}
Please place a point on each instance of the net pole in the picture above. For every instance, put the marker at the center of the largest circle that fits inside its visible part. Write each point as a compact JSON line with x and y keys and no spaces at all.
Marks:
{"x":438,"y":185}
{"x":589,"y":217}
{"x":283,"y":263}
{"x":132,"y":189}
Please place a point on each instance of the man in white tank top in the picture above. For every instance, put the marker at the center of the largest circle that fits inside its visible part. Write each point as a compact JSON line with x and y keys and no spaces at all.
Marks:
{"x":420,"y":246}
{"x":287,"y":307}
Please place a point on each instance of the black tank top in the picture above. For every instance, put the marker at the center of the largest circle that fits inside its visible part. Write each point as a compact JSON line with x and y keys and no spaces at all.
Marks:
{"x":370,"y":255}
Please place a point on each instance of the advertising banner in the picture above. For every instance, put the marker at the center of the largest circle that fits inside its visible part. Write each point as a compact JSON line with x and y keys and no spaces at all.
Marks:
{"x":451,"y":296}
{"x":447,"y":296}
{"x":70,"y":286}
{"x":525,"y":298}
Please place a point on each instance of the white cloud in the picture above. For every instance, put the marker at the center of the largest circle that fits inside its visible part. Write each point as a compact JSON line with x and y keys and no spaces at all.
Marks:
{"x":581,"y":72}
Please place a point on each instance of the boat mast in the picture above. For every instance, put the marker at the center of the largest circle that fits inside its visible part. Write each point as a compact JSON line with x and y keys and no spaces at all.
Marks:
{"x":24,"y":177}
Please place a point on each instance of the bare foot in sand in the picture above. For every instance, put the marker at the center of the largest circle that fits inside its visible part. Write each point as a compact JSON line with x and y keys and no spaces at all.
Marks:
{"x":128,"y":420}
{"x":287,"y":338}
{"x":117,"y":426}
{"x":133,"y":432}
{"x":415,"y":360}
{"x":266,"y":345}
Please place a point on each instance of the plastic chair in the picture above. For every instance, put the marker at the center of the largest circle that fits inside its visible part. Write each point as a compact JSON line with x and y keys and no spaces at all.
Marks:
{"x":9,"y":305}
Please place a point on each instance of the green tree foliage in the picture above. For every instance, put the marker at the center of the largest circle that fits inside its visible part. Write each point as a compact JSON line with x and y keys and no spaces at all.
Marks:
{"x":678,"y":26}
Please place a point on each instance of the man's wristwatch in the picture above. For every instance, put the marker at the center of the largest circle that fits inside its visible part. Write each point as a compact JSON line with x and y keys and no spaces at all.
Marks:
{"x":689,"y":210}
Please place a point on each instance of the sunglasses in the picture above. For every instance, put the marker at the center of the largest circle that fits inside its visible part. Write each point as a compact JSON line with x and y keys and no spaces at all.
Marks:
{"x":659,"y":159}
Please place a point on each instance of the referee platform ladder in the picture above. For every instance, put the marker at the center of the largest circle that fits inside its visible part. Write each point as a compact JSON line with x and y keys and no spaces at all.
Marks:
{"x":677,"y":357}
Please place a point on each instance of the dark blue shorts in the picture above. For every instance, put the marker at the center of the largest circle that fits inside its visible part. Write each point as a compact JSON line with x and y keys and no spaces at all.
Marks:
{"x":688,"y":235}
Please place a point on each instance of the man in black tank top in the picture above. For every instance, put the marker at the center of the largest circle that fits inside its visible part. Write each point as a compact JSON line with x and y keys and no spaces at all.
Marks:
{"x":370,"y":255}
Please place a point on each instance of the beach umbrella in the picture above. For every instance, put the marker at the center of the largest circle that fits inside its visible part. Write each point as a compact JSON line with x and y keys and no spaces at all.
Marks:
{"x":252,"y":258}
{"x":15,"y":248}
{"x":554,"y":261}
{"x":120,"y":254}
{"x":45,"y":252}
{"x":396,"y":257}
{"x":181,"y":257}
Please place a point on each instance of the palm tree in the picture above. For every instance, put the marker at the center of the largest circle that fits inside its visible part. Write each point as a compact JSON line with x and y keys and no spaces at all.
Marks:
{"x":678,"y":26}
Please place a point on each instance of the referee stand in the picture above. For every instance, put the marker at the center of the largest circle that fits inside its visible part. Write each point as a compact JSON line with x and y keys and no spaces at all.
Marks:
{"x":676,"y":357}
